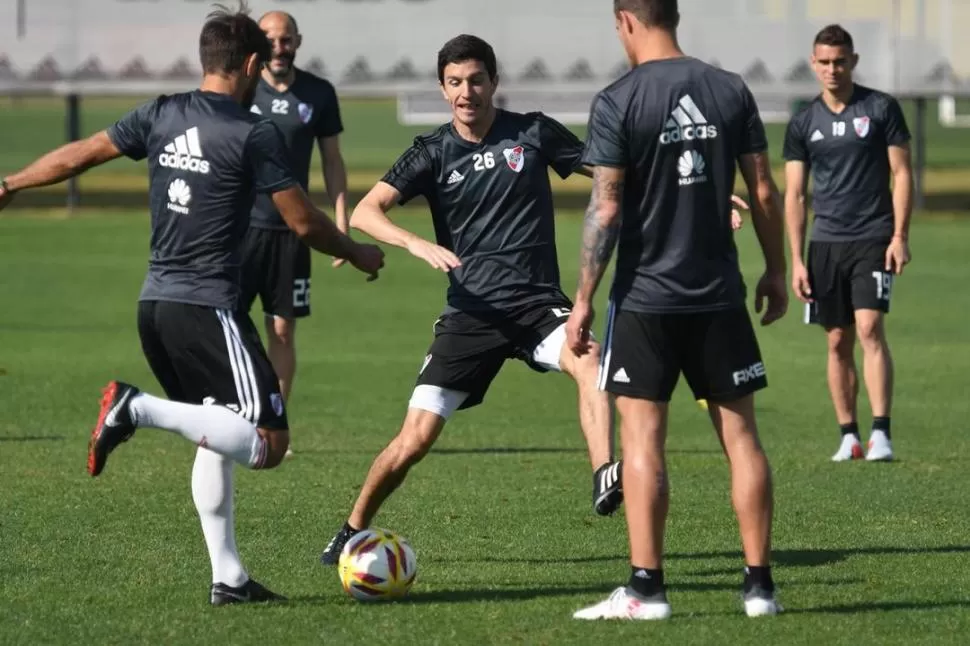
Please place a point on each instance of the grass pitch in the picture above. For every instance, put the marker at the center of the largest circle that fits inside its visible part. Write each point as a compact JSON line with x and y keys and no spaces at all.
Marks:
{"x":499,"y":513}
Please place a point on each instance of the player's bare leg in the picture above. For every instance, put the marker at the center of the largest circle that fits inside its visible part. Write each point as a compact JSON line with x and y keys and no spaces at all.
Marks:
{"x":643,"y":435}
{"x":751,"y":495}
{"x":595,"y":409}
{"x":751,"y":491}
{"x":281,"y":349}
{"x":843,"y":381}
{"x":596,"y":422}
{"x":878,"y":373}
{"x":643,"y":431}
{"x":416,"y":437}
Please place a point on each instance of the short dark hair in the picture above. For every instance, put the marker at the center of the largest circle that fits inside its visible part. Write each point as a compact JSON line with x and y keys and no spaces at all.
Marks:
{"x":228,"y":38}
{"x":834,"y":36}
{"x":652,"y":13}
{"x":466,"y":48}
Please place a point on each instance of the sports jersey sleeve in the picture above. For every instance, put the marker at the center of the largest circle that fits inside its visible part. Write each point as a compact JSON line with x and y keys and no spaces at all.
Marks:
{"x":559,"y":146}
{"x":605,"y":140}
{"x":412,"y":174}
{"x":897,"y":132}
{"x":794,"y":148}
{"x":753,"y":137}
{"x":329,"y":124}
{"x":130,"y":133}
{"x":268,"y":159}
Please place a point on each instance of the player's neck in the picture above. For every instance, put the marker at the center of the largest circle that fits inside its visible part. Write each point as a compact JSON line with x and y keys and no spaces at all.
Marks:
{"x":218,"y":84}
{"x":836,"y":100}
{"x":477,"y":132}
{"x":279,"y":84}
{"x":660,"y":45}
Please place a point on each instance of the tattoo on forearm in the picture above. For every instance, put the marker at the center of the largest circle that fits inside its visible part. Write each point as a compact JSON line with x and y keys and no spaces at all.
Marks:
{"x":599,"y":238}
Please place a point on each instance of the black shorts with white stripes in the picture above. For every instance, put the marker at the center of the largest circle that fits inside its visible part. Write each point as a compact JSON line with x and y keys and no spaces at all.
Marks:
{"x":202,"y":354}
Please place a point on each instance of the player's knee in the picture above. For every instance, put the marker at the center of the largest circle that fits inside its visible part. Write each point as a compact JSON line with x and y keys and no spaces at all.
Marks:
{"x":870,"y":331}
{"x":417,"y":436}
{"x":276,"y":444}
{"x":583,"y":368}
{"x":282,"y":332}
{"x":840,"y":341}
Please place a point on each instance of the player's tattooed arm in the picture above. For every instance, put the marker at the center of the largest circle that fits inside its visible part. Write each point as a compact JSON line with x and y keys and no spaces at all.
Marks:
{"x":601,"y":229}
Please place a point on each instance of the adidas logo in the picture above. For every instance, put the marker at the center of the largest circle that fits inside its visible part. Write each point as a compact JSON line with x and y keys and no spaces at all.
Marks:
{"x":817,"y":136}
{"x":455,"y":177}
{"x":185,"y":153}
{"x":686,"y":123}
{"x":691,"y":167}
{"x":179,"y":195}
{"x":621,"y":377}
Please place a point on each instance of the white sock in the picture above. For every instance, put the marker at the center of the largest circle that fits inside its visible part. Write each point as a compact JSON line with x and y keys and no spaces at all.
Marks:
{"x":212,"y":493}
{"x":214,"y":427}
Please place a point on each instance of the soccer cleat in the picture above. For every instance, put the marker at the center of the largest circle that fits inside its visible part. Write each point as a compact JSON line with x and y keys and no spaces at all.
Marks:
{"x":331,"y":553}
{"x":114,"y":424}
{"x":758,"y":602}
{"x":248,"y":592}
{"x":850,"y":449}
{"x":624,"y":604}
{"x":608,"y":488}
{"x":289,"y":452}
{"x":880,"y":448}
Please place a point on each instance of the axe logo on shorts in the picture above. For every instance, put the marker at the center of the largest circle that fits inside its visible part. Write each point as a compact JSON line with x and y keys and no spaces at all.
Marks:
{"x":515,"y":158}
{"x":750,"y":373}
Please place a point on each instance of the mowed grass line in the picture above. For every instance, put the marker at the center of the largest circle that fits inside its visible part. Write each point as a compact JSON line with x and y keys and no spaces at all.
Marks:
{"x":499,"y":514}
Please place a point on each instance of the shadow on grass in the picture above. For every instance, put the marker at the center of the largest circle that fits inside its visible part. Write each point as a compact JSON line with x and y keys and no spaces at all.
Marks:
{"x":785,"y":558}
{"x":33,"y":438}
{"x":466,"y":595}
{"x":506,"y":449}
{"x":880,"y":606}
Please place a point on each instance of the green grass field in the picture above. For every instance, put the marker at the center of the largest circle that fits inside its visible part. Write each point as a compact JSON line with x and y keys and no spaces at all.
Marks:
{"x":499,"y":514}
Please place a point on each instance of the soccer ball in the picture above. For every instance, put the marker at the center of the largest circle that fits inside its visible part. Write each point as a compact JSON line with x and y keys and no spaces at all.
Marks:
{"x":376,"y":565}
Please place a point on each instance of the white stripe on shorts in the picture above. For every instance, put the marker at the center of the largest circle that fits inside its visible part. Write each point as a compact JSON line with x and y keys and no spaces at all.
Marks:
{"x":607,"y":350}
{"x":242,"y":368}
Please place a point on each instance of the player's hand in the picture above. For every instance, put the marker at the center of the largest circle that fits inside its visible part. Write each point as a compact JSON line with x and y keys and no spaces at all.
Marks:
{"x":6,"y":197}
{"x":368,"y":258}
{"x":800,"y":283}
{"x":578,"y":328}
{"x":773,"y":288}
{"x":897,"y":255}
{"x":736,"y":220}
{"x":436,"y":256}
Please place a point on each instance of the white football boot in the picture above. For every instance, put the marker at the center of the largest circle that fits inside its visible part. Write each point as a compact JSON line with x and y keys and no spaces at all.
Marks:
{"x":850,"y":449}
{"x":758,"y":602}
{"x":623,"y":604}
{"x":880,"y":448}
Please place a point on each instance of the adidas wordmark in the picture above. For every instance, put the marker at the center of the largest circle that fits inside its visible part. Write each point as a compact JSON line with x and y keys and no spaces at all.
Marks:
{"x":686,"y":123}
{"x":185,"y":153}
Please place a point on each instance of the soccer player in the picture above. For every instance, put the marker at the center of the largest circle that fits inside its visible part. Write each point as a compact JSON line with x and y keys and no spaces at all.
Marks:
{"x":852,"y":140}
{"x":276,"y":264}
{"x":664,"y":142}
{"x":485,"y":176}
{"x":207,"y":156}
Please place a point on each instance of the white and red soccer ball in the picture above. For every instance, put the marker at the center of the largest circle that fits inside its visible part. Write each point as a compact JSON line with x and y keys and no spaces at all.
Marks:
{"x":376,"y":565}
